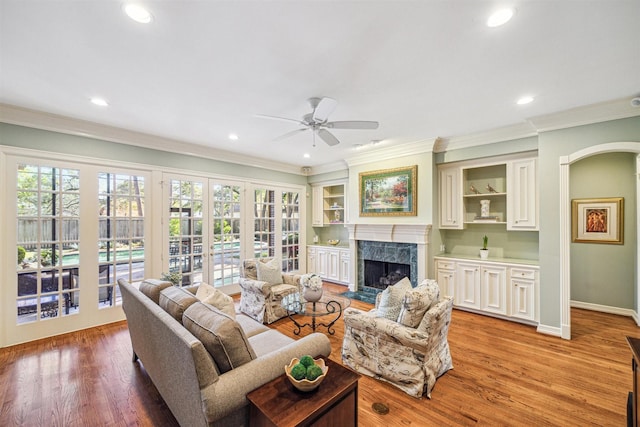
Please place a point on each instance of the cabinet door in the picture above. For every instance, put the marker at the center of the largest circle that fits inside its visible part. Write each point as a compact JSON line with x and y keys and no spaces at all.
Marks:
{"x":450,"y":198}
{"x":494,"y":289}
{"x":523,"y":298}
{"x":333,"y":268}
{"x":322,"y":262}
{"x":522,"y":195}
{"x":468,"y":285}
{"x":446,"y":282}
{"x":345,"y":266}
{"x":317,"y":200}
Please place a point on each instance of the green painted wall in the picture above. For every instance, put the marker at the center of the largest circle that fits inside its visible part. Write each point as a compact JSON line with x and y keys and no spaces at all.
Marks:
{"x":610,"y":282}
{"x":551,"y":146}
{"x":24,"y":137}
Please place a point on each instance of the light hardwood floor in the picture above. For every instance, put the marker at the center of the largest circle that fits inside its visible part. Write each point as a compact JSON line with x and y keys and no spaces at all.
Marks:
{"x":504,"y":374}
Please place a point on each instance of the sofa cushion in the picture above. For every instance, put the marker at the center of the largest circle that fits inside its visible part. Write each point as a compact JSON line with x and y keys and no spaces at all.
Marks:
{"x":250,"y":326}
{"x":215,"y":297}
{"x":175,"y":301}
{"x":152,"y":287}
{"x":417,"y":301}
{"x":270,"y":272}
{"x":391,"y":300}
{"x":221,"y":335}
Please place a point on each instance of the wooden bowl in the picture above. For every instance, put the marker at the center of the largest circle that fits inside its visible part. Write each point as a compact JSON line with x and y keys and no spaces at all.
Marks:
{"x":305,"y":384}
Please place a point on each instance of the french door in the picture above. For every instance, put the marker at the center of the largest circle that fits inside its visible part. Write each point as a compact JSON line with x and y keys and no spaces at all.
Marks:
{"x":214,"y":224}
{"x":205,"y":230}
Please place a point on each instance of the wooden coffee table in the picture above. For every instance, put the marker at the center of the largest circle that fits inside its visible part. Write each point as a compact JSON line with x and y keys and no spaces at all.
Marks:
{"x":333,"y":403}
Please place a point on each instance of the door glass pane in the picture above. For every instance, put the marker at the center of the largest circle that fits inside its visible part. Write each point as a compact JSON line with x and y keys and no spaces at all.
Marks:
{"x":121,"y":234}
{"x":290,"y":231}
{"x":264,"y":223}
{"x":185,"y":230}
{"x":225,"y":233}
{"x":48,"y":222}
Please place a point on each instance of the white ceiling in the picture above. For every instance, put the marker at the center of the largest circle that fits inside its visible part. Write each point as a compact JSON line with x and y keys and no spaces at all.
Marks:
{"x":423,"y":69}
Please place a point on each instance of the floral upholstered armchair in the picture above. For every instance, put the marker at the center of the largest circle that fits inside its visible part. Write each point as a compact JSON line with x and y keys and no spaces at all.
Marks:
{"x":263,"y":286}
{"x":403,"y":340}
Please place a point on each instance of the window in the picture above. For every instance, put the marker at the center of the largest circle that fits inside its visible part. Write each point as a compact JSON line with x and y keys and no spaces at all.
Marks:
{"x":48,"y":220}
{"x":120,"y":233}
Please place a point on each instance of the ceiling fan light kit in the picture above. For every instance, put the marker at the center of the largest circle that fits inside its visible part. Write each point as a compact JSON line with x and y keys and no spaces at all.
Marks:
{"x":317,"y":121}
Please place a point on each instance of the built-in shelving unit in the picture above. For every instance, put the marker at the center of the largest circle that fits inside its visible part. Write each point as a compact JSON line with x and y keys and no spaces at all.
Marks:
{"x":329,"y":203}
{"x":509,"y":184}
{"x":490,"y":183}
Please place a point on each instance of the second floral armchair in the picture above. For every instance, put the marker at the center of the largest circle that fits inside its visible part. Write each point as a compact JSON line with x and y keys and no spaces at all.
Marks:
{"x":263,"y":286}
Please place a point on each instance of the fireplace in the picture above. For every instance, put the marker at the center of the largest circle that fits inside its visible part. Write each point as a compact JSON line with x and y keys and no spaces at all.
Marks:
{"x":380,"y":274}
{"x":381,"y":264}
{"x":394,"y":244}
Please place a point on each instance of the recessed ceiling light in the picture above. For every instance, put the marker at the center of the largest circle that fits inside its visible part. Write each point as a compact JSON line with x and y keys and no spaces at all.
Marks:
{"x":306,"y":155}
{"x":99,"y":101}
{"x":500,"y":17}
{"x":233,"y":137}
{"x":524,"y":100}
{"x":138,"y":13}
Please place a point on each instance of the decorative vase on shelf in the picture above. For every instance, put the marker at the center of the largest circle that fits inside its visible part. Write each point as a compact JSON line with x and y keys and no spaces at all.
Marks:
{"x":311,"y":287}
{"x":484,"y":253}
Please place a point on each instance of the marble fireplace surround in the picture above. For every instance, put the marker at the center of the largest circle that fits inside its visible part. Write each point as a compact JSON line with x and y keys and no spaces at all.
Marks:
{"x":417,"y":234}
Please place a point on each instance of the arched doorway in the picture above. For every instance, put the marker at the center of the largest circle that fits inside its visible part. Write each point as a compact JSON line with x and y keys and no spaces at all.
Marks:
{"x":565,"y":223}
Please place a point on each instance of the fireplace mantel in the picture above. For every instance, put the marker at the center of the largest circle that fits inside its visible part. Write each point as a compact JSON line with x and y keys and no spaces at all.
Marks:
{"x":397,"y":233}
{"x":417,"y":234}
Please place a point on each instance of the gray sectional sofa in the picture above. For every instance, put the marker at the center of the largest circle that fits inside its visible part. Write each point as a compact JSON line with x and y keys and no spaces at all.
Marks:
{"x":204,"y":364}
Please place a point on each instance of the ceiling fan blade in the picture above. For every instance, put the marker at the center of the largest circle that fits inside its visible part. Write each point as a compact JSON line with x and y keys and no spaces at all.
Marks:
{"x":352,"y":124}
{"x":323,"y":109}
{"x":289,"y":134}
{"x":264,"y":116}
{"x":328,"y":137}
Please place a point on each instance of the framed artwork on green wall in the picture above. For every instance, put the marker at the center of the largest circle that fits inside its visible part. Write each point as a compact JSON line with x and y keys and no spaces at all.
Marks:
{"x":598,"y":220}
{"x":389,"y":192}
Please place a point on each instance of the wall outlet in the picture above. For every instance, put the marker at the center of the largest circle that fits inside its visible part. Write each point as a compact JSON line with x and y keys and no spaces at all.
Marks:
{"x":442,"y":248}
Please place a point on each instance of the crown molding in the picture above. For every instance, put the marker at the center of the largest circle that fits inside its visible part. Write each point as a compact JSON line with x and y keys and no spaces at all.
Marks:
{"x":325,"y":168}
{"x":595,"y":113}
{"x":505,"y":133}
{"x":386,"y":153}
{"x":56,"y":123}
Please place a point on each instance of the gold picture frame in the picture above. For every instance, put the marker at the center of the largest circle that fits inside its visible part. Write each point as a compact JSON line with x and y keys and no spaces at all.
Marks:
{"x":389,"y":192}
{"x":598,"y":220}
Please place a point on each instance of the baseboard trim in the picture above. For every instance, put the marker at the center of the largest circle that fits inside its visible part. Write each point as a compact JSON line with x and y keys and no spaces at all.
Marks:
{"x":549,"y":330}
{"x":605,"y":309}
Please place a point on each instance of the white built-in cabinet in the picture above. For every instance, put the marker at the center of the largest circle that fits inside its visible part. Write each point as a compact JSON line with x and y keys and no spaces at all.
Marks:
{"x":450,"y":197}
{"x":522,"y":190}
{"x":509,"y":183}
{"x":328,"y":204}
{"x":330,"y":263}
{"x":507,"y":290}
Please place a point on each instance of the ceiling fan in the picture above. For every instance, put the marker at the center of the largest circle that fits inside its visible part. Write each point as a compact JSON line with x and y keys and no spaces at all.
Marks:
{"x":317,"y":121}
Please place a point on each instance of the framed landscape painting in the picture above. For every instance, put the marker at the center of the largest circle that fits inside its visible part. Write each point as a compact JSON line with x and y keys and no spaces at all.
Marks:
{"x":597,"y":220}
{"x":389,"y":192}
